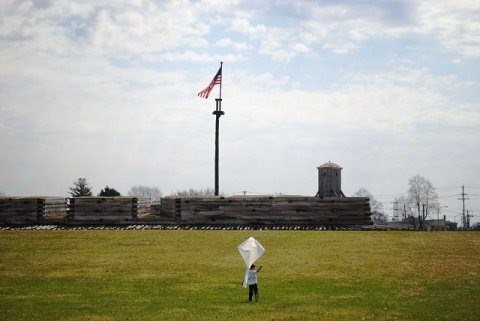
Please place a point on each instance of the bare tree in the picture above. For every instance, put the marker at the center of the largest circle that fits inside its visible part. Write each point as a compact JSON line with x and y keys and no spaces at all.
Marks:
{"x":422,"y":198}
{"x":205,"y":192}
{"x":404,"y":211}
{"x":153,"y":193}
{"x":374,"y":204}
{"x":80,"y":188}
{"x":376,"y":207}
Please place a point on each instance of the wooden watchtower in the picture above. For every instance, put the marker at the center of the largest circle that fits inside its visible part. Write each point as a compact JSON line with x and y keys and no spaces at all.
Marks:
{"x":329,"y":180}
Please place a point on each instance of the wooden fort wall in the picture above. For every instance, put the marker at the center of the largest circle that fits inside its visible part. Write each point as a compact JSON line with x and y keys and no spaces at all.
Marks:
{"x":245,"y":210}
{"x":268,"y":210}
{"x":107,"y":209}
{"x":25,"y":210}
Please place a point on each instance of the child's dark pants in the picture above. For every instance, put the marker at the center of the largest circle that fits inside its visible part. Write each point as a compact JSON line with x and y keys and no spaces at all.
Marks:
{"x":252,"y":288}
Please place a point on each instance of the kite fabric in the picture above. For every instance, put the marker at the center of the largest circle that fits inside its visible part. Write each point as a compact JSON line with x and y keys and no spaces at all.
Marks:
{"x":250,"y":250}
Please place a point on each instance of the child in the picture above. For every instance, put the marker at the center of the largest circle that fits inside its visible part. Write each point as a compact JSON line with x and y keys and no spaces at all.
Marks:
{"x":252,"y":282}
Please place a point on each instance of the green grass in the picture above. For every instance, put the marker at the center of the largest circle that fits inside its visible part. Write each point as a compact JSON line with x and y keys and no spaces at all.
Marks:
{"x":196,"y":275}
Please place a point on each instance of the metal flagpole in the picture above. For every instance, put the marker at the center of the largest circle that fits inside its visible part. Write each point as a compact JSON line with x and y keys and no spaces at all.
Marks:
{"x":218,"y":112}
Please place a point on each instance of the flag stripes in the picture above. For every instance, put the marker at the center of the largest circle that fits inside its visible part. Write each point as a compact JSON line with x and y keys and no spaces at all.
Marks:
{"x":216,"y":80}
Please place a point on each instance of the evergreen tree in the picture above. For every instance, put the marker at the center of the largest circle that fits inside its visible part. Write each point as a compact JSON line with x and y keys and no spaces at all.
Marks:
{"x":107,"y":191}
{"x":80,"y":188}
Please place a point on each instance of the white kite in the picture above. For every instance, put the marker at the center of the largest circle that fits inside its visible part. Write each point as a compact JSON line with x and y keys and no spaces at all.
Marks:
{"x":250,"y":250}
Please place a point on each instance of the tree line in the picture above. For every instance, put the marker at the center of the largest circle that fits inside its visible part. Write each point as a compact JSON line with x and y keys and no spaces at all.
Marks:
{"x":81,"y":188}
{"x":421,"y":200}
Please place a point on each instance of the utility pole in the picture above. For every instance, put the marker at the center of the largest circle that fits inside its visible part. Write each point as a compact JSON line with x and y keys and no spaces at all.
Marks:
{"x":422,"y":222}
{"x":438,"y":218}
{"x":468,"y":219}
{"x":463,"y":199}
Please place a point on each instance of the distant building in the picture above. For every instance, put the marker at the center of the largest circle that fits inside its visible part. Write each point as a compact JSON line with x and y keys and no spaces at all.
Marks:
{"x":430,"y":225}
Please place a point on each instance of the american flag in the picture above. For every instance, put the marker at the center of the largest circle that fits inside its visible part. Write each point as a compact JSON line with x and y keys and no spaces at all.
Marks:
{"x":216,"y":80}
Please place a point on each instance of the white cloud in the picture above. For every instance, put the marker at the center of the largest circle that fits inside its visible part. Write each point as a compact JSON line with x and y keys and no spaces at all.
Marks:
{"x":243,"y":25}
{"x":300,"y":48}
{"x":106,"y":29}
{"x":456,"y":24}
{"x":228,"y":43}
{"x":393,"y":100}
{"x":132,"y":29}
{"x":404,"y":75}
{"x":342,"y":27}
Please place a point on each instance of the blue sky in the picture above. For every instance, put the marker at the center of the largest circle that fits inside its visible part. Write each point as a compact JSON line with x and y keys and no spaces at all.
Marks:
{"x":106,"y":90}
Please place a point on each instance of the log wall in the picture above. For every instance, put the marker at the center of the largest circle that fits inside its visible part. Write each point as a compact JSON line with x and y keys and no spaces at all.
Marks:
{"x":107,"y":209}
{"x":245,"y":210}
{"x":26,"y":210}
{"x":19,"y":210}
{"x":338,"y":211}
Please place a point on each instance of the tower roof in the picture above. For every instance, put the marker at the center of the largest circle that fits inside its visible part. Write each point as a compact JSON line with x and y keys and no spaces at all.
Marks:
{"x":330,"y":165}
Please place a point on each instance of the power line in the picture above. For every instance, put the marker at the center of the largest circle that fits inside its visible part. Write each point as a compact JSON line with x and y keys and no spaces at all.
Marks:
{"x":448,"y":196}
{"x":388,"y":195}
{"x":447,"y":188}
{"x":474,"y":186}
{"x":452,"y":211}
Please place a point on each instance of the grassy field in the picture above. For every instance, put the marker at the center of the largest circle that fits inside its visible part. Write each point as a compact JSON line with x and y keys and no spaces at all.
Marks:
{"x":196,"y":275}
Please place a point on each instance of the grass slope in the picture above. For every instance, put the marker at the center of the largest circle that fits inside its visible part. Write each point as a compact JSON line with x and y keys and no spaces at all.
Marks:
{"x":196,"y":275}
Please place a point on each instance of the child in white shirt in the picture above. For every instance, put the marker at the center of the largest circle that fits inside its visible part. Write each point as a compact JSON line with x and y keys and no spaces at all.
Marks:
{"x":253,"y":282}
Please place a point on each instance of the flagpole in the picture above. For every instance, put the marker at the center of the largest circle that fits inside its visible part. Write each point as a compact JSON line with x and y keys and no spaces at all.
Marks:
{"x":218,"y":112}
{"x":220,"y":92}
